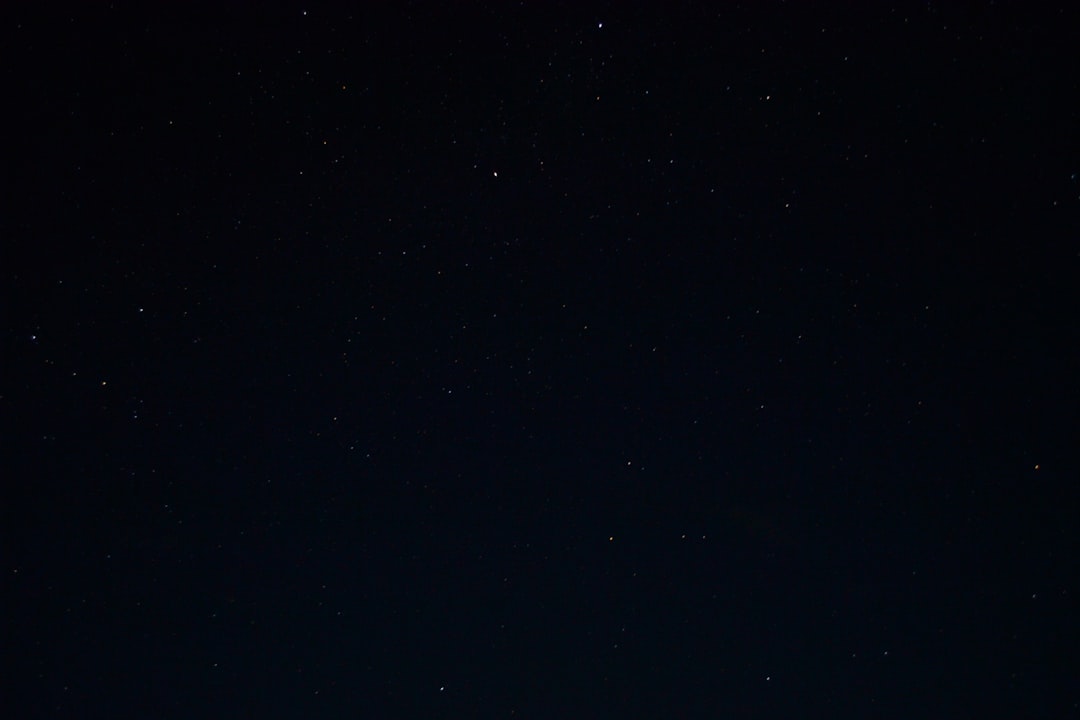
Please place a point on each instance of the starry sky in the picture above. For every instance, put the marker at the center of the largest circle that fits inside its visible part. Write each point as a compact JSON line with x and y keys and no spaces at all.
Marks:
{"x":526,"y":360}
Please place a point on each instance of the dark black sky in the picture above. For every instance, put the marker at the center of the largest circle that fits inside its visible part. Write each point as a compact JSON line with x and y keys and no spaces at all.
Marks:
{"x":527,"y":360}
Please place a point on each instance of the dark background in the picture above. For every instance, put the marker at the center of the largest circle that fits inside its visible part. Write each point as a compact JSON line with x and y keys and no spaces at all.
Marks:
{"x":533,"y":360}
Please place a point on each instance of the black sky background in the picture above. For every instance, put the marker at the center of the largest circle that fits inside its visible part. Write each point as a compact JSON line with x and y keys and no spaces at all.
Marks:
{"x":521,"y":360}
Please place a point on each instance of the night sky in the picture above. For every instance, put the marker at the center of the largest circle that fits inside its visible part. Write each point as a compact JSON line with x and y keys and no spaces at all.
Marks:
{"x":537,"y":360}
